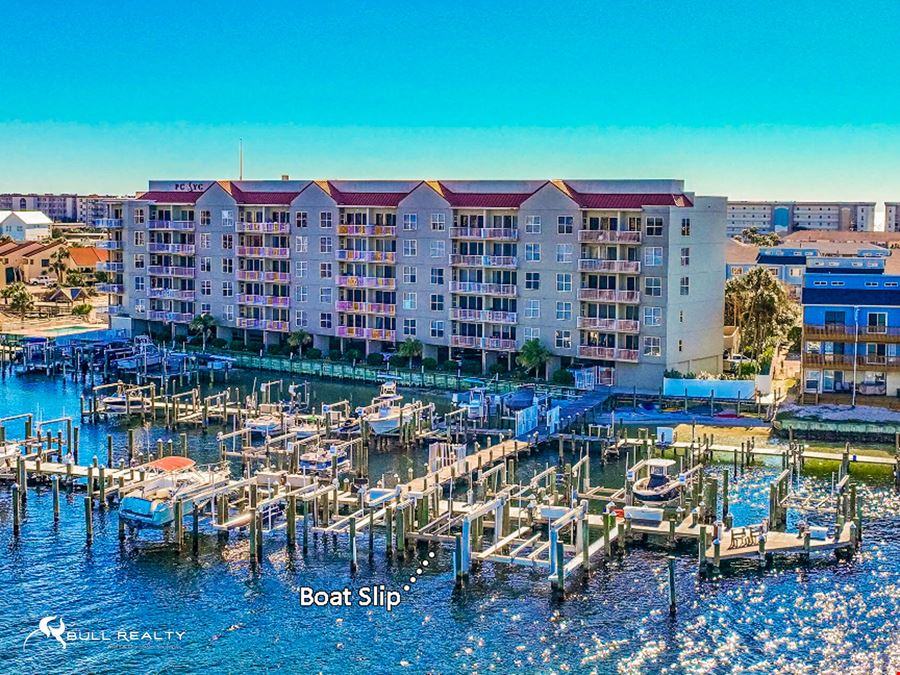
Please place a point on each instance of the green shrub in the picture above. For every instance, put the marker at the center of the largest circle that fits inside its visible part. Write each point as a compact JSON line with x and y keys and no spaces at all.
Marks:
{"x":429,"y":363}
{"x":313,"y":353}
{"x":334,"y":355}
{"x":274,"y":350}
{"x":498,"y":368}
{"x":375,"y":359}
{"x":448,"y":366}
{"x":471,"y":367}
{"x":352,"y":355}
{"x":747,"y":369}
{"x":218,"y":343}
{"x":563,"y":377}
{"x":398,"y":361}
{"x":237,"y":345}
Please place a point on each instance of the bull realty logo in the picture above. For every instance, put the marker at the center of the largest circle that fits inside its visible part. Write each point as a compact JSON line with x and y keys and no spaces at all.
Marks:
{"x":61,"y":634}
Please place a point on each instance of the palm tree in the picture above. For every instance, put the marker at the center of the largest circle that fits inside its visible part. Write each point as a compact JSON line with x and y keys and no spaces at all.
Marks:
{"x":762,"y":308}
{"x":10,"y":291}
{"x":299,"y":338}
{"x":533,"y":355}
{"x":58,"y":262}
{"x":82,"y":311}
{"x":204,"y":325}
{"x":410,"y":348}
{"x":21,"y":302}
{"x":74,"y":278}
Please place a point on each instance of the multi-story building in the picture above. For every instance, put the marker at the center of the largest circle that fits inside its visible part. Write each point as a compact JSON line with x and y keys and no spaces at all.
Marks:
{"x":624,"y":275}
{"x":851,"y":335}
{"x":773,"y":216}
{"x":25,"y":225}
{"x":62,"y":208}
{"x":892,"y":216}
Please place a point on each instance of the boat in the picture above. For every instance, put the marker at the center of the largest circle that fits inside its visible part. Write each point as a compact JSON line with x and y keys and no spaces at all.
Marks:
{"x":273,"y":418}
{"x":519,"y":399}
{"x":659,"y":488}
{"x":384,"y":413}
{"x":123,"y":404}
{"x":144,"y":355}
{"x":321,"y":460}
{"x":152,"y":503}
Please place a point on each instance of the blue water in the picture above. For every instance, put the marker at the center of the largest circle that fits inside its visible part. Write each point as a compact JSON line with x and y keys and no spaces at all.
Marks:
{"x":828,"y":615}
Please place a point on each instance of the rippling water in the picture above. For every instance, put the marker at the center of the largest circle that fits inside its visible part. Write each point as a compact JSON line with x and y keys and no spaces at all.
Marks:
{"x":825,"y":616}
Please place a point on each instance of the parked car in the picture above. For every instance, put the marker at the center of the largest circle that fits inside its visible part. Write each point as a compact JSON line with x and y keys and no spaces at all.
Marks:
{"x":43,"y":280}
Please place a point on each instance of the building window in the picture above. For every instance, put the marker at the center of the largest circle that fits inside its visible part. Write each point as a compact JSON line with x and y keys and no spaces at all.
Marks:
{"x":410,"y":248}
{"x":438,"y":248}
{"x":205,"y":218}
{"x":204,"y":240}
{"x":227,"y":218}
{"x":531,"y":333}
{"x":325,"y":270}
{"x":654,"y":227}
{"x":437,"y":302}
{"x":227,"y":242}
{"x":409,"y":274}
{"x":302,"y":293}
{"x":228,"y":312}
{"x":564,"y":225}
{"x":139,"y":238}
{"x":563,"y":339}
{"x":206,"y":287}
{"x":206,"y":264}
{"x":685,"y":256}
{"x":139,"y":306}
{"x":653,"y":287}
{"x":564,"y":282}
{"x":685,"y":286}
{"x":302,"y":219}
{"x":532,"y":309}
{"x":653,"y":256}
{"x":302,"y":266}
{"x":139,"y":261}
{"x":409,"y":327}
{"x":681,"y":345}
{"x":205,"y":308}
{"x":300,"y":317}
{"x":227,"y":289}
{"x":410,"y":222}
{"x":564,"y":253}
{"x":138,"y":216}
{"x":139,"y":283}
{"x":325,"y":245}
{"x":533,"y":252}
{"x":437,"y":276}
{"x":325,"y":222}
{"x":301,"y":244}
{"x":410,"y":300}
{"x":563,"y":311}
{"x":227,"y":265}
{"x":325,"y":295}
{"x":532,"y":281}
{"x":652,"y":316}
{"x":685,"y":228}
{"x":438,"y":222}
{"x":651,"y":346}
{"x":325,"y":320}
{"x":437,"y":329}
{"x":533,"y":225}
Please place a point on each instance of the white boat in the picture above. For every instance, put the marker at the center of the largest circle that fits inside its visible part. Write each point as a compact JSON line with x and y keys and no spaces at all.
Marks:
{"x":383,"y":415}
{"x":119,"y":404}
{"x":321,"y":460}
{"x":145,"y":355}
{"x":659,"y":488}
{"x":152,"y":503}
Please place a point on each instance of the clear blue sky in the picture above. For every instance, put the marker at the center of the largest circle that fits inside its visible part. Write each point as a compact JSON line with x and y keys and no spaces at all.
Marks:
{"x":766,"y":99}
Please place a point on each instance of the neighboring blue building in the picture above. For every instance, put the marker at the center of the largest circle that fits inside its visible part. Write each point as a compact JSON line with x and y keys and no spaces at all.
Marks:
{"x":851,"y":330}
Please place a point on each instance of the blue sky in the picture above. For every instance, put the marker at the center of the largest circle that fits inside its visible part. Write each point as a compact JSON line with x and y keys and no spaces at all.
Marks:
{"x":764,"y":100}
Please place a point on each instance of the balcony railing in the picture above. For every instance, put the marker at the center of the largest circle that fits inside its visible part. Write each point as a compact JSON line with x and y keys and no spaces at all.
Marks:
{"x":263,"y":324}
{"x":367,"y":230}
{"x":493,"y":344}
{"x":263,"y":228}
{"x":610,"y":236}
{"x":606,"y":295}
{"x":264,"y":300}
{"x":615,"y":266}
{"x":113,"y":310}
{"x":384,"y":283}
{"x":483,"y":315}
{"x":366,"y":307}
{"x":177,"y":249}
{"x":108,"y":223}
{"x":180,"y":225}
{"x":110,"y":288}
{"x":608,"y":353}
{"x":845,"y":332}
{"x":259,"y":275}
{"x":479,"y":288}
{"x":110,"y":266}
{"x":611,"y":325}
{"x":172,"y":271}
{"x":504,"y":261}
{"x":350,"y":255}
{"x":263,"y":252}
{"x":172,"y":294}
{"x":496,"y":233}
{"x":839,"y":361}
{"x":169,"y":317}
{"x":109,"y":244}
{"x":367,"y":333}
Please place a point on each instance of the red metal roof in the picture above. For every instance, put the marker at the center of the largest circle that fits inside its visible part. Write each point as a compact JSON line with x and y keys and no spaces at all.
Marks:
{"x":166,"y":197}
{"x":627,"y":201}
{"x":256,"y":198}
{"x":382,"y":199}
{"x":482,"y":200}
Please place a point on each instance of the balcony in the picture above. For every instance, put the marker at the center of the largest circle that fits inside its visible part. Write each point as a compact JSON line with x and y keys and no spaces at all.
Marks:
{"x":176,"y":249}
{"x":263,"y":228}
{"x":610,"y":236}
{"x":478,"y":288}
{"x":172,"y":294}
{"x":349,"y":255}
{"x":473,"y":342}
{"x":482,"y":233}
{"x":180,"y":225}
{"x":615,"y":266}
{"x":110,"y":288}
{"x":172,"y":271}
{"x":109,"y":245}
{"x":259,"y":275}
{"x":367,"y":333}
{"x":263,"y":252}
{"x":503,"y":261}
{"x":110,"y":267}
{"x":606,"y":295}
{"x":113,"y":310}
{"x":843,"y":333}
{"x":108,"y":223}
{"x":877,"y":362}
{"x":263,"y":324}
{"x":610,"y":325}
{"x":383,"y":283}
{"x":608,"y":353}
{"x":482,"y":315}
{"x":264,"y":300}
{"x":367,"y":230}
{"x":365,"y":307}
{"x":169,"y":317}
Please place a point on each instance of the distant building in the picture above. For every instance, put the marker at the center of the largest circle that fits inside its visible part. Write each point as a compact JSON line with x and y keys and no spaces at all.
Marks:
{"x":23,"y":261}
{"x":783,"y":217}
{"x":892,"y":216}
{"x":60,"y":208}
{"x":25,"y":225}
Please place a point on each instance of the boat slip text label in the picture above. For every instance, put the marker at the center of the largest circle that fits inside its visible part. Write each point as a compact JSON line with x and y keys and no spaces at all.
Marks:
{"x":367,"y":596}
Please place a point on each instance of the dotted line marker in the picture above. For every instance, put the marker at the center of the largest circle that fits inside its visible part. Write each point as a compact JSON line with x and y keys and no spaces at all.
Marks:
{"x":419,"y":571}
